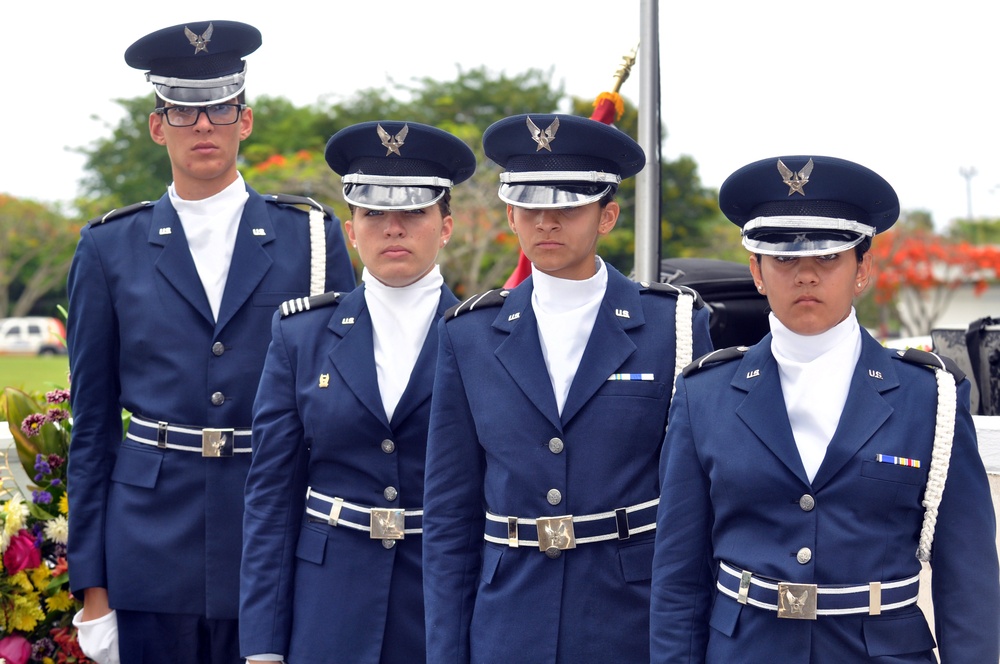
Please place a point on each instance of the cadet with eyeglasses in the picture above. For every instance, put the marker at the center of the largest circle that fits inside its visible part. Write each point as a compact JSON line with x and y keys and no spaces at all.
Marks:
{"x":170,"y":315}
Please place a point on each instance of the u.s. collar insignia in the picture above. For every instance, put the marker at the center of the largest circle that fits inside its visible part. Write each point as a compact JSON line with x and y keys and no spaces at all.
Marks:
{"x":392,"y":143}
{"x":165,"y":230}
{"x":543,"y":138}
{"x":200,"y":42}
{"x":796,"y":181}
{"x":324,"y":380}
{"x":259,"y":231}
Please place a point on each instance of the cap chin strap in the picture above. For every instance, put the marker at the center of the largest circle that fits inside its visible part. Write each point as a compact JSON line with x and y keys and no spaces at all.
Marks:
{"x":397,"y":180}
{"x":796,"y":222}
{"x":231,"y":84}
{"x":511,"y":177}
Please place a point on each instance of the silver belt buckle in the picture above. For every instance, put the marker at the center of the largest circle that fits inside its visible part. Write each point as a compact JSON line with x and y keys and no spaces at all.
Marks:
{"x":797,"y":601}
{"x":555,"y":533}
{"x":388,"y":524}
{"x":217,"y":442}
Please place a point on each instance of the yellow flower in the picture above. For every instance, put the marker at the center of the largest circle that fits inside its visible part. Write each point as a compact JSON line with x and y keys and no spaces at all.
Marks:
{"x":61,"y":601}
{"x":64,"y":504}
{"x":40,"y":576}
{"x":20,"y":580}
{"x":15,"y":512}
{"x":26,"y":614}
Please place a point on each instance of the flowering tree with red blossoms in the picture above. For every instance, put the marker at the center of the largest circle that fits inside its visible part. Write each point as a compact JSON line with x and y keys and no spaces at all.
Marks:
{"x":919,"y":272}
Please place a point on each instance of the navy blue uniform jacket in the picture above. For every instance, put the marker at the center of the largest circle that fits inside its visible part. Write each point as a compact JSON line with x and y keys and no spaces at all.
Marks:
{"x":492,"y":418}
{"x":732,"y":481}
{"x":161,"y":529}
{"x":310,"y":591}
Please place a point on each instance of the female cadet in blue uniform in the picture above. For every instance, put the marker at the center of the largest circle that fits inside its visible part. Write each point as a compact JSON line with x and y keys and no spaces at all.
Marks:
{"x":549,"y":407}
{"x":333,"y":502}
{"x":170,"y":305}
{"x":805,"y":478}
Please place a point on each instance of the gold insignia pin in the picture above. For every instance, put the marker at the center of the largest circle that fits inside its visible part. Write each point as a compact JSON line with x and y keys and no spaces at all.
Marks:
{"x":796,"y":181}
{"x":324,"y":380}
{"x":392,"y":143}
{"x":200,"y":42}
{"x":543,"y":138}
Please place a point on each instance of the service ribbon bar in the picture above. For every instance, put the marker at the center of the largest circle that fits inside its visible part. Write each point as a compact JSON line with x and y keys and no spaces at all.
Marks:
{"x":898,"y":461}
{"x":631,"y":376}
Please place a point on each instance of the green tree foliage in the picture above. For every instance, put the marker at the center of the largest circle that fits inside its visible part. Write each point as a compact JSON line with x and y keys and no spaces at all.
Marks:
{"x":36,"y":247}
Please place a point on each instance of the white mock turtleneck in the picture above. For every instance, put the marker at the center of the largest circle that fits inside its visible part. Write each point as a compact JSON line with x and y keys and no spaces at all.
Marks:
{"x":210,"y":226}
{"x":401,"y":318}
{"x":815,"y":374}
{"x":566,"y":310}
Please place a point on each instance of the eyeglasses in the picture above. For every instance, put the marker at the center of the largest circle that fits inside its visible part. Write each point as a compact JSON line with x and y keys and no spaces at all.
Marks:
{"x":187,"y":116}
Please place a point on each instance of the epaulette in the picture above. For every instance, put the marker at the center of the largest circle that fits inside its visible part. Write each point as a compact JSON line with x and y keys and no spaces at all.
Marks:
{"x":915,"y":356}
{"x":118,"y":212}
{"x":673,"y":289}
{"x":289,"y":307}
{"x":491,"y":298}
{"x":715,"y":357}
{"x":289,"y":199}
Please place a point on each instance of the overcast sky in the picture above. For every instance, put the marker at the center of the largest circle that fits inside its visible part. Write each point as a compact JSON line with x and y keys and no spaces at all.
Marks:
{"x":906,"y":87}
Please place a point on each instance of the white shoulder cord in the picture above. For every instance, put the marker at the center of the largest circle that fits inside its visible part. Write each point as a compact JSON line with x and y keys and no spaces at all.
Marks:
{"x":683,"y":333}
{"x":317,"y":251}
{"x":937,"y":473}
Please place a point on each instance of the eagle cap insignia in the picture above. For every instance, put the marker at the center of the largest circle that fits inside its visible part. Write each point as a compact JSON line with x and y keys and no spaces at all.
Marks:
{"x":543,"y":138}
{"x":392,"y":143}
{"x":200,"y":42}
{"x":796,"y":181}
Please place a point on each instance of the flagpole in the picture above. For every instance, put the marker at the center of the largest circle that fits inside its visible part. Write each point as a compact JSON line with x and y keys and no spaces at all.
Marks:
{"x":647,"y":186}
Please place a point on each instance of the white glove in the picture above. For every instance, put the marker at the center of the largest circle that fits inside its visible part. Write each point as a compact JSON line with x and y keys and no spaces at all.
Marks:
{"x":98,"y":638}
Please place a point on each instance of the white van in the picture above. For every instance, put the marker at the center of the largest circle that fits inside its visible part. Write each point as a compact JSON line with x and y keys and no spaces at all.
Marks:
{"x":32,"y":335}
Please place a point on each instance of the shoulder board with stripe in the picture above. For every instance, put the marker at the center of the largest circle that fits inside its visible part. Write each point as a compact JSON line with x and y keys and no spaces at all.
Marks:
{"x":715,"y":357}
{"x":491,"y":298}
{"x":933,"y":360}
{"x":289,"y":199}
{"x":673,"y":289}
{"x":289,"y":307}
{"x":118,"y":213}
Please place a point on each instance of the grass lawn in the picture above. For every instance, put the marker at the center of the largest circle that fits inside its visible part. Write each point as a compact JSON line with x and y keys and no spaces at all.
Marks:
{"x":34,"y":373}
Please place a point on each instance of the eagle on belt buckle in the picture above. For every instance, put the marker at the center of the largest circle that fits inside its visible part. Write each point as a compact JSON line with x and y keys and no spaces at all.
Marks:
{"x":217,"y":442}
{"x":388,"y":524}
{"x":797,"y":601}
{"x":555,"y":533}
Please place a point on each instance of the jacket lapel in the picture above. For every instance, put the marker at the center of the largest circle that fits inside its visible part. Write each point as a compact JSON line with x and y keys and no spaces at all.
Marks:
{"x":521,"y":353}
{"x":354,"y":356}
{"x":763,"y":409}
{"x":865,"y":411}
{"x":609,"y":344}
{"x":175,"y":262}
{"x":250,"y":260}
{"x":421,"y":382}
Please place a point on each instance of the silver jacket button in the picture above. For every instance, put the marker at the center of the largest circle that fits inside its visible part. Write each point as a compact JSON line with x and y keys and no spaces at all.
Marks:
{"x":218,"y":398}
{"x":807,"y":502}
{"x":804,"y":555}
{"x":388,"y":544}
{"x":388,"y":446}
{"x":218,"y":349}
{"x":554,"y":497}
{"x":390,"y":493}
{"x":552,"y":552}
{"x":556,"y":445}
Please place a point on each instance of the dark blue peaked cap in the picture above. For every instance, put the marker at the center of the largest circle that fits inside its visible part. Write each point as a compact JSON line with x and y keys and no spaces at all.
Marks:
{"x":197,"y":63}
{"x":395,"y":165}
{"x":554,"y":160}
{"x":807,"y":206}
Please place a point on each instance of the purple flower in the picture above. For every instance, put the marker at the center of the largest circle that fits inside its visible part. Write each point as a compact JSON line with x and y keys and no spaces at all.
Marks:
{"x":55,"y":461}
{"x":57,"y":415}
{"x":42,"y":466}
{"x":41,"y":497}
{"x":42,"y":648}
{"x":32,"y":424}
{"x":57,"y":396}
